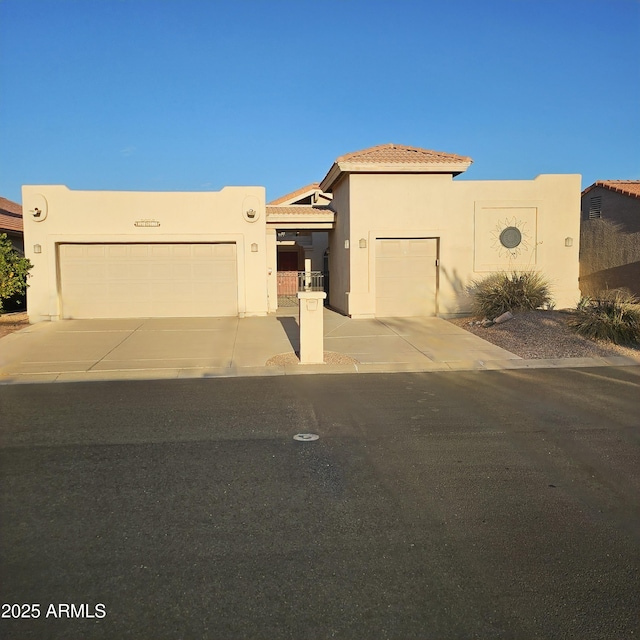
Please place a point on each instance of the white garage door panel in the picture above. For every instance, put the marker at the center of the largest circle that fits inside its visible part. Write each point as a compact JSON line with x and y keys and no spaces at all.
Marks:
{"x":148,"y":280}
{"x":406,"y":277}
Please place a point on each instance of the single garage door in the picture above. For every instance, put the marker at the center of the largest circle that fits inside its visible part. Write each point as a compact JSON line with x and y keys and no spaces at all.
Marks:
{"x":148,"y":280}
{"x":406,"y":277}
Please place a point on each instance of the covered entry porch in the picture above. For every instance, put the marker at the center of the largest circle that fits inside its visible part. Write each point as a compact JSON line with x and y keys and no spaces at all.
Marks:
{"x":298,"y":237}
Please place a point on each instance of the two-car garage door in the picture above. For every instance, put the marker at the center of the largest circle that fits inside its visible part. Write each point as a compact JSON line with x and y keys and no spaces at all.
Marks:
{"x":148,"y":280}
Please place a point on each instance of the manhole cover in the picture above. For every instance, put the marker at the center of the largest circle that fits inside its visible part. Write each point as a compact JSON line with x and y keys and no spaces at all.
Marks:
{"x":306,"y":437}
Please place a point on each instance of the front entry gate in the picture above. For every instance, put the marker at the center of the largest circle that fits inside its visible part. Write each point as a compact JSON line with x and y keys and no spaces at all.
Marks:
{"x":290,"y":282}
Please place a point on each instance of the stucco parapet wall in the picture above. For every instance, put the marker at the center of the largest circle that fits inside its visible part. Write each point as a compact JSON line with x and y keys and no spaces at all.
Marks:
{"x":142,"y":193}
{"x":541,"y":177}
{"x":158,"y":211}
{"x":561,"y":189}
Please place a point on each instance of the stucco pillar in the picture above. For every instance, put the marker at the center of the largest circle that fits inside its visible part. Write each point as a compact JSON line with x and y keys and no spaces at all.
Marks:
{"x":311,"y":309}
{"x":272,"y":269}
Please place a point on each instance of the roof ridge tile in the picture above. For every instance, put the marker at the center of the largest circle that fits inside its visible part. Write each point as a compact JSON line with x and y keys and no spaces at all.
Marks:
{"x":400,"y":154}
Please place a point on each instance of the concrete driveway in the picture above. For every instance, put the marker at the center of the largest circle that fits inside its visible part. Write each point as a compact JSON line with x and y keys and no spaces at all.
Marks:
{"x":73,"y":350}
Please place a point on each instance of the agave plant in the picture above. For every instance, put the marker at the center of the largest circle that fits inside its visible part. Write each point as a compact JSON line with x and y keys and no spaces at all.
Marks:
{"x":515,"y":291}
{"x":613,"y":316}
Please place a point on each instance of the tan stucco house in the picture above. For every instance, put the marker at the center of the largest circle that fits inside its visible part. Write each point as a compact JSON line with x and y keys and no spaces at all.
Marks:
{"x":610,"y":237}
{"x":394,"y":231}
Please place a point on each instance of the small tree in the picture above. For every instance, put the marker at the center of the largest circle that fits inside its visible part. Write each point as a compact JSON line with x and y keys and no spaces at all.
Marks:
{"x":14,"y":270}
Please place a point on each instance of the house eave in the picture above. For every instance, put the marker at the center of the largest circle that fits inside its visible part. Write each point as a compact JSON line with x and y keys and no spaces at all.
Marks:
{"x":339,"y":168}
{"x":300,"y":217}
{"x":330,"y":179}
{"x":609,"y":187}
{"x":300,"y":226}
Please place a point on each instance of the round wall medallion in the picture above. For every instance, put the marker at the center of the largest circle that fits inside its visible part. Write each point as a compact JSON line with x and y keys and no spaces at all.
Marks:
{"x":510,"y":237}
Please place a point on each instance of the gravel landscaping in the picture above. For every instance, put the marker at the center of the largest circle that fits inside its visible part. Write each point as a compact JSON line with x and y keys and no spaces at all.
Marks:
{"x":543,"y":334}
{"x":10,"y":322}
{"x":329,"y":357}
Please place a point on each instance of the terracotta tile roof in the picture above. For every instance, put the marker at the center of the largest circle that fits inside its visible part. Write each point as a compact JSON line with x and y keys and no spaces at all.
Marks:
{"x":298,"y":192}
{"x":10,"y":216}
{"x":400,"y":154}
{"x":626,"y":187}
{"x":300,"y":216}
{"x":395,"y":158}
{"x":299,"y":210}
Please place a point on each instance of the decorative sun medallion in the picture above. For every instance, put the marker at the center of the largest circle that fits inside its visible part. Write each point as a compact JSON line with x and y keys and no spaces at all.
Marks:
{"x":510,"y":238}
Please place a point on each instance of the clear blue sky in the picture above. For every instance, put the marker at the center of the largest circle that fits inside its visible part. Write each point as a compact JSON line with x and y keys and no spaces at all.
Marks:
{"x":193,"y":95}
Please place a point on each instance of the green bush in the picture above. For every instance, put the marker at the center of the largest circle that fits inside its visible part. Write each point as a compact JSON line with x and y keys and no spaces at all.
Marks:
{"x":613,"y":316}
{"x":13,"y":270}
{"x":515,"y":291}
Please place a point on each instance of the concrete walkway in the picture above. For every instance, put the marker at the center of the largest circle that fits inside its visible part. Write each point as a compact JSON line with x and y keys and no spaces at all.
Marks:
{"x":75,"y":350}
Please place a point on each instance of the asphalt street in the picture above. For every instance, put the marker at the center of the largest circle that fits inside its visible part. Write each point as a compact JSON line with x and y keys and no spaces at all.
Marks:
{"x":483,"y":504}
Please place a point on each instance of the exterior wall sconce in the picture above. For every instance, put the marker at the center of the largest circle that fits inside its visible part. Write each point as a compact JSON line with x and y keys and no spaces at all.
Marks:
{"x":37,"y":248}
{"x":251,"y":214}
{"x":254,"y":247}
{"x":39,"y":211}
{"x":346,"y":244}
{"x":363,"y":243}
{"x":568,"y":242}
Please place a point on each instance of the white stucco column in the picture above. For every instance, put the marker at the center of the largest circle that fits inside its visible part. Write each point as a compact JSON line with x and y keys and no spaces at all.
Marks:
{"x":311,"y":309}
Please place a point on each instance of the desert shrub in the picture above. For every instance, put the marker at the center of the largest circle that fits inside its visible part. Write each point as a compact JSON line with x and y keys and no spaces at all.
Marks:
{"x":613,"y":316}
{"x":13,"y":271}
{"x":515,"y":291}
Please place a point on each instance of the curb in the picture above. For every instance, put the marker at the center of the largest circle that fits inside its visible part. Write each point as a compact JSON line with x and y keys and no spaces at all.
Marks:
{"x":314,"y":369}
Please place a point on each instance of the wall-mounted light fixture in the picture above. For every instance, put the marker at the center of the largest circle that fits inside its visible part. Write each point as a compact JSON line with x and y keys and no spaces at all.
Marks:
{"x":254,"y":247}
{"x":346,"y":244}
{"x":568,"y":242}
{"x":250,"y":213}
{"x":38,"y":207}
{"x":37,"y":248}
{"x":363,"y":243}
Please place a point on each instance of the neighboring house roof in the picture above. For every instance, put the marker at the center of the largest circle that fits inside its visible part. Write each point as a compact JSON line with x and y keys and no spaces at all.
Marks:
{"x":626,"y":187}
{"x":297,"y":194}
{"x":395,"y":158}
{"x":10,"y":216}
